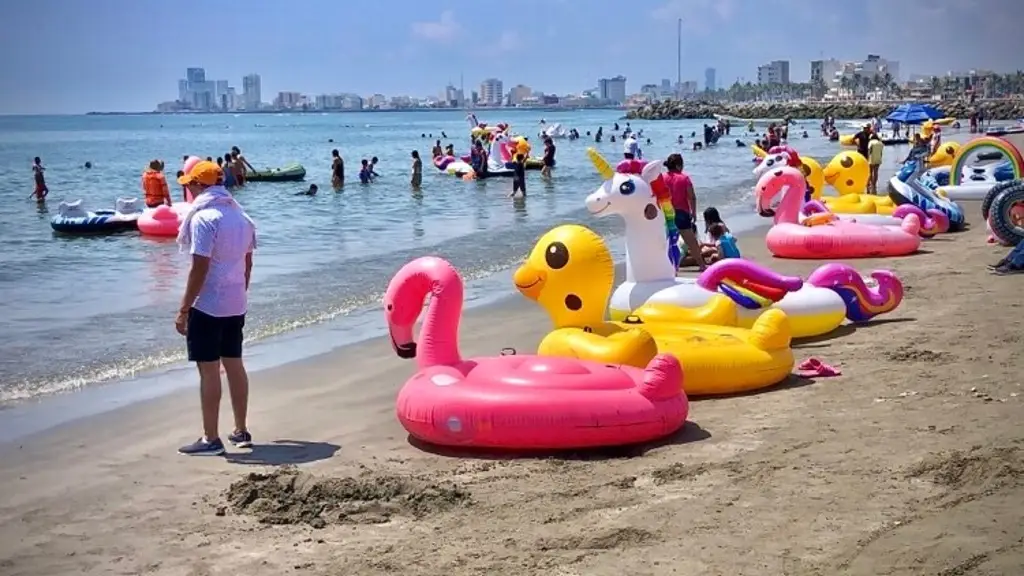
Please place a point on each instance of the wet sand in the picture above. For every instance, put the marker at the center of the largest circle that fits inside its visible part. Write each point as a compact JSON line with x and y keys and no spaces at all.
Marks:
{"x":912,"y":462}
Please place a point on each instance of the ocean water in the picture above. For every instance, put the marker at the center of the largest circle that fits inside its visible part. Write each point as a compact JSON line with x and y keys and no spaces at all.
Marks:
{"x":80,"y":311}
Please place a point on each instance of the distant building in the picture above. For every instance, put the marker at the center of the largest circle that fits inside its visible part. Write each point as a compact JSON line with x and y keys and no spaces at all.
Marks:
{"x":453,"y":97}
{"x":492,"y":92}
{"x":338,"y":102}
{"x":709,"y":79}
{"x":612,"y":89}
{"x":825,"y":71}
{"x":195,"y":75}
{"x":289,"y":100}
{"x":376,"y":101}
{"x":252,"y":91}
{"x":775,"y":72}
{"x":519,"y":94}
{"x":474,"y":97}
{"x":688,"y":88}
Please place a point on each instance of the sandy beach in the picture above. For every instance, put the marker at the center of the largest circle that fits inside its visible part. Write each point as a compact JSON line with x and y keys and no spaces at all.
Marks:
{"x":912,"y":462}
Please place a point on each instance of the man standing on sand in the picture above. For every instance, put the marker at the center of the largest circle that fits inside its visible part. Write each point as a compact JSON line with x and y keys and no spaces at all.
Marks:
{"x":221,"y":237}
{"x":875,"y":148}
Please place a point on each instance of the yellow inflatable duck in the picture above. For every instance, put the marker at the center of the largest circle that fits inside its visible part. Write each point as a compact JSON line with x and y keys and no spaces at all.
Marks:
{"x":944,"y":155}
{"x":848,"y":173}
{"x":570,"y":273}
{"x":814,"y":175}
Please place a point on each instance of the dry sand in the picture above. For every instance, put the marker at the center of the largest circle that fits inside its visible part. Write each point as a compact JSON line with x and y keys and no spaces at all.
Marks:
{"x":912,"y":462}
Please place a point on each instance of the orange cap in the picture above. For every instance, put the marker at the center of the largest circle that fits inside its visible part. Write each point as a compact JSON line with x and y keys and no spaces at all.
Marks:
{"x":206,"y":173}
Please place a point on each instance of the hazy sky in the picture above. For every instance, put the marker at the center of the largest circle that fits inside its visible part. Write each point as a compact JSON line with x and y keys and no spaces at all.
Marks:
{"x":71,"y":56}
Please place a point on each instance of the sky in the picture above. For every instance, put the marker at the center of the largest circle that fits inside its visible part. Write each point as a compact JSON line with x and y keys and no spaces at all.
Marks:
{"x":73,"y":56}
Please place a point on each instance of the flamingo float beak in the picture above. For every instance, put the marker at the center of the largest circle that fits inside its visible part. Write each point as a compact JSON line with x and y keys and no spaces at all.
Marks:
{"x":403,"y":342}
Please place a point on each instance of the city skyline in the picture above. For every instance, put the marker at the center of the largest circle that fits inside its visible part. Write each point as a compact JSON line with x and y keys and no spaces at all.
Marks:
{"x":418,"y":48}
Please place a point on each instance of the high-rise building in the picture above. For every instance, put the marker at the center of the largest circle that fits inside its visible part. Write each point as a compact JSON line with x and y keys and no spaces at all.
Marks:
{"x":825,"y":71}
{"x":183,"y":90}
{"x":492,"y":92}
{"x":775,"y":72}
{"x":709,"y":80}
{"x":517,"y":95}
{"x":612,"y":89}
{"x":453,"y":97}
{"x":195,"y":75}
{"x":252,"y":91}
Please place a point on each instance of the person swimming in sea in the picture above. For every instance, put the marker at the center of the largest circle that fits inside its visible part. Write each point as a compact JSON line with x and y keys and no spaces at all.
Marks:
{"x":365,"y":172}
{"x":41,"y":190}
{"x":313,"y":189}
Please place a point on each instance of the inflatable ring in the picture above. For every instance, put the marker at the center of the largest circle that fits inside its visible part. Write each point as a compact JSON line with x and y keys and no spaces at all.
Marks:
{"x":1006,"y":215}
{"x":986,"y":203}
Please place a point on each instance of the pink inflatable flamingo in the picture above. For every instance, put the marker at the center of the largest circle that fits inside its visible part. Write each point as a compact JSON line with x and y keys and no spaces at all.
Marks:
{"x":517,"y":402}
{"x":835,"y":239}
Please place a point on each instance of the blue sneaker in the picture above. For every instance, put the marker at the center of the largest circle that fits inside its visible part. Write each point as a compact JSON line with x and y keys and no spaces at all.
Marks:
{"x":203,"y":447}
{"x":241,"y":439}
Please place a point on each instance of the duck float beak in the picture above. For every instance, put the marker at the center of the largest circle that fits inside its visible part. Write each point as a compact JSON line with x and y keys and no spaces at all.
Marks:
{"x":529,"y":281}
{"x":830,"y":174}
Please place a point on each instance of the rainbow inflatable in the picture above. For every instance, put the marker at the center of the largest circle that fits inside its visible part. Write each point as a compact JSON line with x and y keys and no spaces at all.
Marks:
{"x":664,"y":197}
{"x":1009,"y":151}
{"x":974,"y":181}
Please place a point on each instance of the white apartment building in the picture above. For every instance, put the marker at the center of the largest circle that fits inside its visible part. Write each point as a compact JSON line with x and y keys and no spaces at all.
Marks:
{"x":492,"y":92}
{"x":775,"y":72}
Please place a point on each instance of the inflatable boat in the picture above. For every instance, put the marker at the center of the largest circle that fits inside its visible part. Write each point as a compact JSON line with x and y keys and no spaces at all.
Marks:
{"x":290,"y":173}
{"x":74,"y":220}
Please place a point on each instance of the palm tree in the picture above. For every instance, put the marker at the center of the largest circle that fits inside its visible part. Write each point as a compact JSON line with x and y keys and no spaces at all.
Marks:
{"x":936,"y":85}
{"x":844,"y":83}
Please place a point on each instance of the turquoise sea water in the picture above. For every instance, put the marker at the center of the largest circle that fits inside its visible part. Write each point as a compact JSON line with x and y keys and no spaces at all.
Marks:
{"x":84,"y":310}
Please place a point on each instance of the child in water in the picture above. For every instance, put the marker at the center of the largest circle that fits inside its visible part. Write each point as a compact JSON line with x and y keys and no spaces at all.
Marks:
{"x":365,"y":172}
{"x":519,"y":176}
{"x":313,"y":189}
{"x":37,"y":171}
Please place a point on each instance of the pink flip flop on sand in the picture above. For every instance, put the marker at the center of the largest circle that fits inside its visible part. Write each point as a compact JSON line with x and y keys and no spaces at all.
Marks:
{"x":814,"y":368}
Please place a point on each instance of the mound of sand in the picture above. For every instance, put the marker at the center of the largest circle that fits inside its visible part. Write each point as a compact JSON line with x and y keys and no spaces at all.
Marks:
{"x":288,"y":496}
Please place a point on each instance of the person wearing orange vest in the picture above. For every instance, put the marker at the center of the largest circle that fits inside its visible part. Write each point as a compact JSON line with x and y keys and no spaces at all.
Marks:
{"x":154,"y":185}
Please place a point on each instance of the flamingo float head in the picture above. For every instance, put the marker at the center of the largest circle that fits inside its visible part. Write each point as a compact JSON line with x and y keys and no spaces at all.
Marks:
{"x":406,"y":294}
{"x":624,"y":194}
{"x":783,"y":180}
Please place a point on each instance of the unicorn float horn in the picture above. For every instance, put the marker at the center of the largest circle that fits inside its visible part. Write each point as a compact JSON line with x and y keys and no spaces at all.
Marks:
{"x":600,"y":164}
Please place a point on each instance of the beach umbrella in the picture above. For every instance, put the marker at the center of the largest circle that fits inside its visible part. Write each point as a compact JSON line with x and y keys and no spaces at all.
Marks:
{"x":913,"y":114}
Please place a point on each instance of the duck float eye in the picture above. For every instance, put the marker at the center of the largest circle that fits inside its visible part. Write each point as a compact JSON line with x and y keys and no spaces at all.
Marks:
{"x":627,"y":188}
{"x":573,"y":302}
{"x":846,"y":162}
{"x":556,"y":256}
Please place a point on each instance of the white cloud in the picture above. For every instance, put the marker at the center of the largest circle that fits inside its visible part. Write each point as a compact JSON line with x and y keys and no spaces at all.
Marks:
{"x":443,"y":30}
{"x":509,"y":41}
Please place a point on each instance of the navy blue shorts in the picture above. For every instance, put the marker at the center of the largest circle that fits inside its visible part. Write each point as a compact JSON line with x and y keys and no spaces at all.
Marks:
{"x":210,"y":338}
{"x":684,"y":220}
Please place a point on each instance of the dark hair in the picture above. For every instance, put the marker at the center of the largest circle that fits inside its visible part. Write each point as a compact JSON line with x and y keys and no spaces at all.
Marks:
{"x":313,"y":187}
{"x":184,"y":158}
{"x":374,"y":160}
{"x":415,"y":153}
{"x":364,"y":162}
{"x":334,"y":152}
{"x":717,"y":230}
{"x":674,"y":161}
{"x":37,"y":160}
{"x":236,"y":150}
{"x":209,"y":158}
{"x":227,"y":157}
{"x":711,"y":216}
{"x":181,"y":173}
{"x":220,"y":161}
